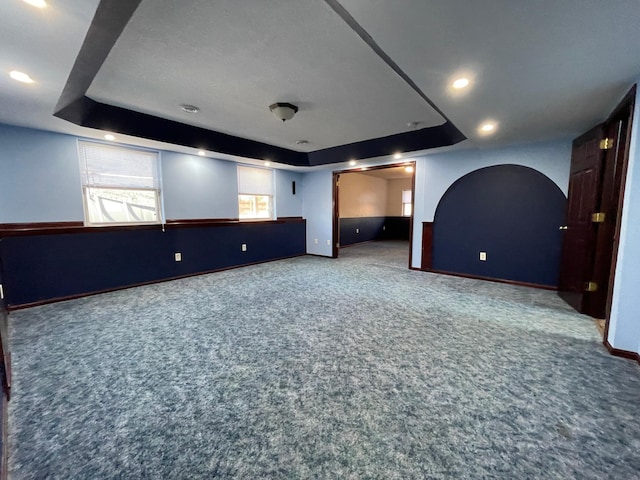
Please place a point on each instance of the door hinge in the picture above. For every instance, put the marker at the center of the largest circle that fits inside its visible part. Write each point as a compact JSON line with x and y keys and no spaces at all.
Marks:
{"x":590,"y":287}
{"x":606,"y":143}
{"x":597,"y":217}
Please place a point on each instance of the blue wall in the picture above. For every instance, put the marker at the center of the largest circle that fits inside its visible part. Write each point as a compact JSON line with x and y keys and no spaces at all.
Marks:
{"x":196,"y":187}
{"x":436,"y":172}
{"x":511,"y":212}
{"x":46,"y":267}
{"x":360,"y":230}
{"x":288,"y":204}
{"x":624,"y":325}
{"x":39,"y":176}
{"x":373,"y":228}
{"x":317,"y":209}
{"x":40,"y":181}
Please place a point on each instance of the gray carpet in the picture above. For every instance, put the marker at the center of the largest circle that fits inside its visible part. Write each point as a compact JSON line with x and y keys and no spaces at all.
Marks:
{"x":318,"y":368}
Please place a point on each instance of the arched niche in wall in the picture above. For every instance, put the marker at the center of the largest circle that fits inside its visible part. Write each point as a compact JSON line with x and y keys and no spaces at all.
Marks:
{"x":511,"y":212}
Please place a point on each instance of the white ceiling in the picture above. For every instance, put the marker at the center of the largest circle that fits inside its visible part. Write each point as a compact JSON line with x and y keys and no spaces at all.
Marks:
{"x":542,"y":69}
{"x":233,"y":62}
{"x":390,"y":173}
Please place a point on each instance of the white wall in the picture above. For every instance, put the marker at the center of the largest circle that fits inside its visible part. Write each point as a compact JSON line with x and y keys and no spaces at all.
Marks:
{"x":436,"y":173}
{"x":317,"y":208}
{"x":624,"y":323}
{"x":394,"y":196}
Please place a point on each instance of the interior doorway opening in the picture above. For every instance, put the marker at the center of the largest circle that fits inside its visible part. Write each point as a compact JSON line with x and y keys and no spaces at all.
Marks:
{"x":373,"y":204}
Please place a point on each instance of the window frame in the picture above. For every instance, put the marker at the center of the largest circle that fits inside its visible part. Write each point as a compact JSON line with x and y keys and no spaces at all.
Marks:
{"x":271,"y":195}
{"x":86,"y":187}
{"x":407,"y":204}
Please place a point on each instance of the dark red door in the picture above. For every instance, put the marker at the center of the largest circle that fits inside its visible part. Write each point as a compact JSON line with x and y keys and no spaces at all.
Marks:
{"x":580,"y":234}
{"x":598,"y":168}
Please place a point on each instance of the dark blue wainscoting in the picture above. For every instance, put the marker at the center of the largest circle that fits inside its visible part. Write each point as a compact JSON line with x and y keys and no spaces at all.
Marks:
{"x":396,"y":228}
{"x":373,"y":228}
{"x":44,"y":267}
{"x":369,"y":228}
{"x":511,"y":212}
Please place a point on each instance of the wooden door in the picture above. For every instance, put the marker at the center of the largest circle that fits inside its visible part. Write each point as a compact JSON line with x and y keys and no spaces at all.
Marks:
{"x":616,"y":153}
{"x":598,"y":170}
{"x":579,"y":241}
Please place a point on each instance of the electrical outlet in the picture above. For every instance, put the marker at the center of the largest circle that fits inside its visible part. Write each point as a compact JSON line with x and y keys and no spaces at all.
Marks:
{"x":178,"y":256}
{"x":357,"y":230}
{"x":315,"y":240}
{"x":244,"y":247}
{"x":483,"y":256}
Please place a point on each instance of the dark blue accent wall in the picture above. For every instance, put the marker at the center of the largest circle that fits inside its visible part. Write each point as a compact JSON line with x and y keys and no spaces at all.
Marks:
{"x":509,"y":211}
{"x":39,"y":268}
{"x":396,"y":228}
{"x":373,"y":228}
{"x":370,"y":228}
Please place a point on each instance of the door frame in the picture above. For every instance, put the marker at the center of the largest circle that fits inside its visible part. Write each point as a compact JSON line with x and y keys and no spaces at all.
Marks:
{"x":624,"y":109}
{"x":335,"y":249}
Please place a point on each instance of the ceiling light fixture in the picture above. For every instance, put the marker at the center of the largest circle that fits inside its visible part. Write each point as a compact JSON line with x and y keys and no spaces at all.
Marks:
{"x":189,"y":108}
{"x":302,"y":142}
{"x":202,"y":153}
{"x":283,"y":111}
{"x":487,"y":128}
{"x":397,"y":156}
{"x":460,"y":83}
{"x":109,"y":137}
{"x":413,"y":125}
{"x":20,"y":77}
{"x":36,"y":3}
{"x":267,"y":164}
{"x":352,"y":163}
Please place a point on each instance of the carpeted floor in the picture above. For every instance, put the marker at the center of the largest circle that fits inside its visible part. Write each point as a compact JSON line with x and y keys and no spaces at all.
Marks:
{"x":317,"y":368}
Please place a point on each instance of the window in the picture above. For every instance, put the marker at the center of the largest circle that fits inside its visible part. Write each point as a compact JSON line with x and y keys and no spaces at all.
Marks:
{"x":255,"y":193}
{"x":119,"y":185}
{"x":406,"y":203}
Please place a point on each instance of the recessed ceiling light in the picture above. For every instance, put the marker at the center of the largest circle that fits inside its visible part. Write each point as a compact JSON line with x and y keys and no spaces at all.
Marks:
{"x":36,"y":3}
{"x":397,"y":156}
{"x":202,"y":153}
{"x":302,"y":142}
{"x":189,"y":108}
{"x":460,"y":83}
{"x":352,"y":163}
{"x":487,"y":128}
{"x":413,"y":125}
{"x":408,"y":169}
{"x":267,"y":164}
{"x":109,"y":137}
{"x":20,"y":76}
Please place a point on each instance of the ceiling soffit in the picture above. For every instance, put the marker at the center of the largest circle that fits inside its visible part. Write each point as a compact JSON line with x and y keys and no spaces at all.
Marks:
{"x":91,"y":99}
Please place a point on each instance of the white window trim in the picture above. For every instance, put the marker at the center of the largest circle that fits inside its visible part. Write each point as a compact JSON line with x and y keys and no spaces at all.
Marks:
{"x":159,"y":200}
{"x":271,"y":195}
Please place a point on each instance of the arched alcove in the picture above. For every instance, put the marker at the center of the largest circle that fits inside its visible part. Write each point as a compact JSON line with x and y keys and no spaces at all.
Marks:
{"x":511,"y":212}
